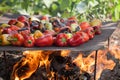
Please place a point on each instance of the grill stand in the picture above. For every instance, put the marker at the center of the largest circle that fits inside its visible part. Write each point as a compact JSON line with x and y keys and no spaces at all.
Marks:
{"x":95,"y":67}
{"x":6,"y":65}
{"x":106,"y":30}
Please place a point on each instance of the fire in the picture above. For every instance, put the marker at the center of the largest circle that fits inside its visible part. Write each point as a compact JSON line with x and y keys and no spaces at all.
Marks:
{"x":33,"y":60}
{"x":26,"y":66}
{"x":65,"y":53}
{"x":84,"y":63}
{"x":115,"y":51}
{"x":29,"y":64}
{"x":87,"y":64}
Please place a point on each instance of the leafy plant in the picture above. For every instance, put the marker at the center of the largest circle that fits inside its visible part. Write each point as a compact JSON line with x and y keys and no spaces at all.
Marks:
{"x":83,"y":9}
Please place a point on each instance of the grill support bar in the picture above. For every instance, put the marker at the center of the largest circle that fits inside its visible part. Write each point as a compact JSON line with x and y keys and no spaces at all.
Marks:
{"x":95,"y":67}
{"x":5,"y":62}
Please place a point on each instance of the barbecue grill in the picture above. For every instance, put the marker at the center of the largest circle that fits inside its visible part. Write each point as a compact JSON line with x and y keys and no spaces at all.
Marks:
{"x":96,"y":43}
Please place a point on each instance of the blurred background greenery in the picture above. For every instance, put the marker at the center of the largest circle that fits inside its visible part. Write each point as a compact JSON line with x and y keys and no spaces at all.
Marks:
{"x":82,"y":9}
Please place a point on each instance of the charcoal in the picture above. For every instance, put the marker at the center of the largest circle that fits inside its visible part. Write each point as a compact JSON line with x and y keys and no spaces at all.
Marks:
{"x":69,"y":72}
{"x":59,"y":63}
{"x":87,"y":75}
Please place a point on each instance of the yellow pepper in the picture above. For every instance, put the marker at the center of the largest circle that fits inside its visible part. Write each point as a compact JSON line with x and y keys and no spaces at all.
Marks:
{"x":4,"y":39}
{"x":37,"y":34}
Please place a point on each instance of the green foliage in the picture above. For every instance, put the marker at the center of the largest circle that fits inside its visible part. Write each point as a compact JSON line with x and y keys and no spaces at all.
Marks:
{"x":83,"y":9}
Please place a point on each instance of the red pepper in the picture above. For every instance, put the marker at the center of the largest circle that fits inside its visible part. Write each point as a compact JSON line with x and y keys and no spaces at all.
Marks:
{"x":46,"y":40}
{"x":84,"y":25}
{"x":61,"y":40}
{"x":52,"y":32}
{"x":6,"y":31}
{"x":22,"y":18}
{"x":90,"y":31}
{"x":76,"y":40}
{"x":16,"y":39}
{"x":84,"y":35}
{"x":72,"y":18}
{"x":44,"y":18}
{"x":14,"y":28}
{"x":28,"y":41}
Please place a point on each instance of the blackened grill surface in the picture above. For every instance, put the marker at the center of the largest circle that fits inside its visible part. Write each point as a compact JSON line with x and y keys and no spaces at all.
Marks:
{"x":96,"y":43}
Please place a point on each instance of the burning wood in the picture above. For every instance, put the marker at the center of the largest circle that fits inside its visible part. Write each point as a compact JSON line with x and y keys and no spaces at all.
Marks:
{"x":59,"y":65}
{"x":87,"y":64}
{"x":26,"y":66}
{"x":29,"y":64}
{"x":115,"y":51}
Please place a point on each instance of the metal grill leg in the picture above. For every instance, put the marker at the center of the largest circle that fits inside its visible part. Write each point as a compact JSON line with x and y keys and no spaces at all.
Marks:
{"x":5,"y":61}
{"x":108,"y":43}
{"x":96,"y":53}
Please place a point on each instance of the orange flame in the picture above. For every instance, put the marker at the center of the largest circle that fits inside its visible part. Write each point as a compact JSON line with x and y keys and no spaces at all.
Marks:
{"x":34,"y":59}
{"x":87,"y":64}
{"x":26,"y":66}
{"x":29,"y":64}
{"x":115,"y":51}
{"x":65,"y":53}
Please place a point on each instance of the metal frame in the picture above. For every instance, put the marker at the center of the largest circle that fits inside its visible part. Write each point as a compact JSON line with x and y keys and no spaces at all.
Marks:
{"x":6,"y":65}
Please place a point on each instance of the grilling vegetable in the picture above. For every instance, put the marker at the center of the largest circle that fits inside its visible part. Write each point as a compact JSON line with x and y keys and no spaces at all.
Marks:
{"x":84,"y":35}
{"x":12,"y":21}
{"x":96,"y":22}
{"x":90,"y":32}
{"x":97,"y":30}
{"x":19,"y":24}
{"x":51,"y":32}
{"x":69,"y":35}
{"x":61,"y":40}
{"x":6,"y":30}
{"x":4,"y":39}
{"x":76,"y":40}
{"x":48,"y":31}
{"x":16,"y":39}
{"x":37,"y":34}
{"x":75,"y":27}
{"x":22,"y":18}
{"x":84,"y":25}
{"x":29,"y":41}
{"x":4,"y":25}
{"x":48,"y":26}
{"x":46,"y":40}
